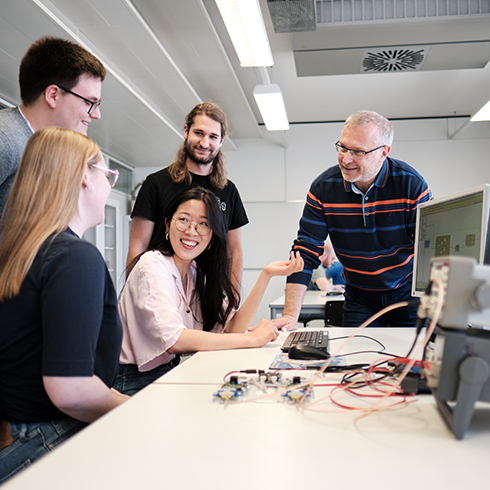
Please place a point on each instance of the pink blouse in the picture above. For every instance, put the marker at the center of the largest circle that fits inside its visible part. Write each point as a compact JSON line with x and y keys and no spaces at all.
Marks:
{"x":155,"y":309}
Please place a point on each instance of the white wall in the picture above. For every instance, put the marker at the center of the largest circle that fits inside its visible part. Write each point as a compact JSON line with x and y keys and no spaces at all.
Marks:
{"x":273,"y":180}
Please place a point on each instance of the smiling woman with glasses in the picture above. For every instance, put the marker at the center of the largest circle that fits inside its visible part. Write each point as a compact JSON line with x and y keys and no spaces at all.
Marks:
{"x":91,"y":104}
{"x":179,"y":297}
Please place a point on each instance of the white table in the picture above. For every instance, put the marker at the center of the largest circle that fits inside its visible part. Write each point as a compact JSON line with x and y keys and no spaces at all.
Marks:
{"x":313,"y":302}
{"x":210,"y":367}
{"x":173,"y":435}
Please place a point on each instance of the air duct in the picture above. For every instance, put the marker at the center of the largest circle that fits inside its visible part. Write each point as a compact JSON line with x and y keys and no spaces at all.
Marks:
{"x":292,"y":15}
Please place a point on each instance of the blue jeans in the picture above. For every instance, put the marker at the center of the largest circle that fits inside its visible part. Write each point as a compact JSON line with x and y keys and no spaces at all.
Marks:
{"x":32,"y":441}
{"x":360,"y":305}
{"x":129,"y":380}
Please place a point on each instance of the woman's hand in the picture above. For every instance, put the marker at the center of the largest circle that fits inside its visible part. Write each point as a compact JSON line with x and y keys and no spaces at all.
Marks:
{"x":245,"y":315}
{"x":281,"y":268}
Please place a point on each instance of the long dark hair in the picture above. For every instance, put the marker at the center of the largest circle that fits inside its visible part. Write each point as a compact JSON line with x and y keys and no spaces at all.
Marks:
{"x":213,"y":282}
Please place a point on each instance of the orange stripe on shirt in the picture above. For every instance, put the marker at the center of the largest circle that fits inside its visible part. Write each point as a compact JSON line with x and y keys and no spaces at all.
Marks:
{"x":380,"y":271}
{"x":299,"y":247}
{"x":376,"y":257}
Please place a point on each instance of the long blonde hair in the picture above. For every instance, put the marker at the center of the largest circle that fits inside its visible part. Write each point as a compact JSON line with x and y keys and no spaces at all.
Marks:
{"x":42,"y":201}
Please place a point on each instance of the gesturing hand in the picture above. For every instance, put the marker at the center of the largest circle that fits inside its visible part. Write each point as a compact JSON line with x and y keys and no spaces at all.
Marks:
{"x":285,"y":268}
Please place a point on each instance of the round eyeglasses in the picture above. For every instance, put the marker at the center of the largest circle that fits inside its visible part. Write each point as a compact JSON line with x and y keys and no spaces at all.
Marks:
{"x":90,"y":103}
{"x":111,"y":175}
{"x":183,"y":224}
{"x":355,"y":153}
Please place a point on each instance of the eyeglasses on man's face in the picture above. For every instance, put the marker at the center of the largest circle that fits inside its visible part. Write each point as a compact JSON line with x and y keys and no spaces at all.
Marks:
{"x":183,"y":224}
{"x":90,"y":103}
{"x":355,"y":153}
{"x":111,"y":175}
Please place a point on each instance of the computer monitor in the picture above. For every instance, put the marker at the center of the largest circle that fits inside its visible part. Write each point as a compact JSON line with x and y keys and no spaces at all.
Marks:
{"x":457,"y":224}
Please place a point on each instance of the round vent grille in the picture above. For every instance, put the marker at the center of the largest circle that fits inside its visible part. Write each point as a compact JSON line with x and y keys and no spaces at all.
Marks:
{"x":393,"y":59}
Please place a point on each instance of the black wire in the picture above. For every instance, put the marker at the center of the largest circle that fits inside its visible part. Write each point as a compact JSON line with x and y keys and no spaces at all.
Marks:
{"x":348,"y":367}
{"x":383,"y":347}
{"x":381,"y":351}
{"x":366,"y":352}
{"x":413,"y":345}
{"x":346,"y":379}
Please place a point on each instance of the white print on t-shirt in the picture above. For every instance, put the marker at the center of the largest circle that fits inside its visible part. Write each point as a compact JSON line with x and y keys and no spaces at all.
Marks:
{"x":222,"y":205}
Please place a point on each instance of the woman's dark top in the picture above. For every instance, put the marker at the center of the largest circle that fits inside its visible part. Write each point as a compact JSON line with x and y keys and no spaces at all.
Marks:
{"x":64,"y":322}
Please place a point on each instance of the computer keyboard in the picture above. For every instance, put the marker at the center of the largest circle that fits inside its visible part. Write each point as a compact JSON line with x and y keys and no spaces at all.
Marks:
{"x":314,"y":338}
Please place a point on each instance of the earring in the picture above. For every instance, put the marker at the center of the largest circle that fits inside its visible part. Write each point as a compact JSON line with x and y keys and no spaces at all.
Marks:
{"x":210,"y":245}
{"x":166,"y":236}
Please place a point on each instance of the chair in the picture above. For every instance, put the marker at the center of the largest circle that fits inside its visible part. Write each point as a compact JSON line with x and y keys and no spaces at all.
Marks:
{"x":333,"y":313}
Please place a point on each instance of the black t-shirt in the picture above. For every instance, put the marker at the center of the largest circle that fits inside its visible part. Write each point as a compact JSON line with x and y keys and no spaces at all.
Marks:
{"x":159,"y":189}
{"x":64,"y":322}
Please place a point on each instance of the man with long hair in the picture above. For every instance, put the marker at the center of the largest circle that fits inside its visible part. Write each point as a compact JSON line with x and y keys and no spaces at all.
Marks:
{"x":60,"y":85}
{"x":200,"y":162}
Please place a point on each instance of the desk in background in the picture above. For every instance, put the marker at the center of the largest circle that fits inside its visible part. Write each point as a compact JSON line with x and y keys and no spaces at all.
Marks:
{"x":173,"y":435}
{"x":313,"y":302}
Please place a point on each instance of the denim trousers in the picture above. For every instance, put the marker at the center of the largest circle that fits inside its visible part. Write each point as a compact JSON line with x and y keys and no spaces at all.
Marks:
{"x":129,"y":380}
{"x":360,"y":305}
{"x":32,"y":441}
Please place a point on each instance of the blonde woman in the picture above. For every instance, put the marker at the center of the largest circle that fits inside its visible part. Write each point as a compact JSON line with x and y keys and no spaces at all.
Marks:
{"x":60,"y":333}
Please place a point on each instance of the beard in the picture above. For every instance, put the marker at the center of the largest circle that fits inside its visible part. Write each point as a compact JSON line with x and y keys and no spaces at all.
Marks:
{"x":205,"y":160}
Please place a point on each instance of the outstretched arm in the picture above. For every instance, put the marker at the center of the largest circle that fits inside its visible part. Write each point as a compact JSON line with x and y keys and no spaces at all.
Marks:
{"x":196,"y":340}
{"x":244,"y":316}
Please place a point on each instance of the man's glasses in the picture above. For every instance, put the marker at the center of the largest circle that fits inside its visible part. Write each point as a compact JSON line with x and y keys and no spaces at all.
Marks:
{"x":92,"y":105}
{"x":355,"y":153}
{"x":183,"y":224}
{"x":111,"y":175}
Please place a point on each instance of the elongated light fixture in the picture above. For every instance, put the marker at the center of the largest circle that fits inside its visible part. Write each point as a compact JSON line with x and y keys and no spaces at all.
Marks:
{"x":245,"y":24}
{"x":271,"y":106}
{"x":483,"y":114}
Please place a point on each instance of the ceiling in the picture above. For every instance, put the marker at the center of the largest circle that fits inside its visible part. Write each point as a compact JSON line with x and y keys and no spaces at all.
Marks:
{"x":165,"y":56}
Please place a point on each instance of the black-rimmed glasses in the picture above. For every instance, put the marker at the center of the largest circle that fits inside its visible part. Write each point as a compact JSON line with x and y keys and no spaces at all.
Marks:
{"x":355,"y":153}
{"x":93,"y":105}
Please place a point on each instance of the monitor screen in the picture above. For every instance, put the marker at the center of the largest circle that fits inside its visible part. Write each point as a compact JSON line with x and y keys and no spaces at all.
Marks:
{"x":453,"y":225}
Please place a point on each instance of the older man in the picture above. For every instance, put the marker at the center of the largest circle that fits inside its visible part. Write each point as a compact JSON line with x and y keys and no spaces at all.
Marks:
{"x":367,"y":205}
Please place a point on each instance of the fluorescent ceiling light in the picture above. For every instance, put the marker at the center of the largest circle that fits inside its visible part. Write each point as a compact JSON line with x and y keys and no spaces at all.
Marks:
{"x":245,"y":24}
{"x":483,"y":114}
{"x":271,"y":106}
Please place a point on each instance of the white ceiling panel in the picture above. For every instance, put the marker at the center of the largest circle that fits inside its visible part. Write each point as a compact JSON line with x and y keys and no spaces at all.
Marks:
{"x":86,"y":14}
{"x":147,"y":94}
